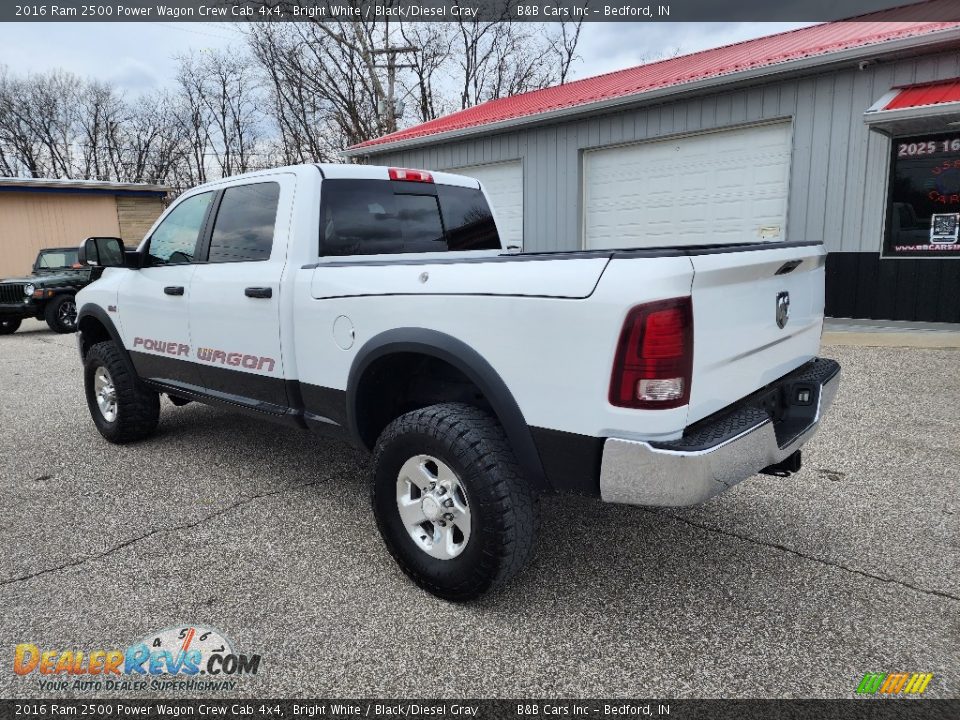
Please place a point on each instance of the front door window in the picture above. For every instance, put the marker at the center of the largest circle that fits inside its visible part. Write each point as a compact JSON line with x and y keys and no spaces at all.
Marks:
{"x":175,"y":239}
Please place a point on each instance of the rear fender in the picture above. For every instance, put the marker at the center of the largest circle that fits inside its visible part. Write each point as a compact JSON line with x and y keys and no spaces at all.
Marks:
{"x":468,"y":361}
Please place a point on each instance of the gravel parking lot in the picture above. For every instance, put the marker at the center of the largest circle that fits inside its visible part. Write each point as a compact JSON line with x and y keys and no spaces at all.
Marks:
{"x":781,"y":587}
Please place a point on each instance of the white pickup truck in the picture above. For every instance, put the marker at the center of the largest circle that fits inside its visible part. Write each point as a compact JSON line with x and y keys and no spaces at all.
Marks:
{"x":378,"y":305}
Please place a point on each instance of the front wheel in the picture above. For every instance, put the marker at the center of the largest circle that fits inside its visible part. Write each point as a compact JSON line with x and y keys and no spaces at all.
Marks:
{"x":61,"y":314}
{"x":122,"y":408}
{"x":9,"y":326}
{"x":451,"y":503}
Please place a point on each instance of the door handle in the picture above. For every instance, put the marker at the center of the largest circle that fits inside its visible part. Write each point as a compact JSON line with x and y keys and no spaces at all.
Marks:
{"x":173,"y":290}
{"x":258,"y":292}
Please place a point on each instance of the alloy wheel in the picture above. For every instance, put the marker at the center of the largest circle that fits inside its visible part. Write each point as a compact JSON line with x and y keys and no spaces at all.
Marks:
{"x":105,"y":393}
{"x":433,"y":507}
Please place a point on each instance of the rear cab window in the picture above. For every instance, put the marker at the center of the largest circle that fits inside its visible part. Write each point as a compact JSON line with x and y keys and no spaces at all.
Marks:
{"x":388,"y":217}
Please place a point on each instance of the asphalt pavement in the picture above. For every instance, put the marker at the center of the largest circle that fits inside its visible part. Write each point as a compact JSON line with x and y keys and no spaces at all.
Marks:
{"x":779,"y":588}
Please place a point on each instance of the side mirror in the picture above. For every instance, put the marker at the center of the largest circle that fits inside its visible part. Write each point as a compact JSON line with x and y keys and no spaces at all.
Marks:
{"x":102,"y":252}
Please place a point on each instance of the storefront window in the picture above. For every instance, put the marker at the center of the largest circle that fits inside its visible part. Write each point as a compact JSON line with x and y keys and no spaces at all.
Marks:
{"x":924,"y":218}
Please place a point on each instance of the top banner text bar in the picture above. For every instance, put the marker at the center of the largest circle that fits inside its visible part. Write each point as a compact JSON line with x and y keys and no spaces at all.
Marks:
{"x":477,"y":11}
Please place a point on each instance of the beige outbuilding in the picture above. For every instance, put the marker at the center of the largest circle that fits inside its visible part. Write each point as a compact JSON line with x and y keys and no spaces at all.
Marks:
{"x":40,"y":213}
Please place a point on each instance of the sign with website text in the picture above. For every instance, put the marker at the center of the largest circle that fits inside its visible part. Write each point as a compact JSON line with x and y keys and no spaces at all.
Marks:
{"x":924,"y":210}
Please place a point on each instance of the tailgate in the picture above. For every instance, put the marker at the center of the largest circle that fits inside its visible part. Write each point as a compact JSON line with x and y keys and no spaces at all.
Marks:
{"x":739,"y":345}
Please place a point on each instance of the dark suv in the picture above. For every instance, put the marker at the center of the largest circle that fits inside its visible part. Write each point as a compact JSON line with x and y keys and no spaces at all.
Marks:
{"x":47,"y":294}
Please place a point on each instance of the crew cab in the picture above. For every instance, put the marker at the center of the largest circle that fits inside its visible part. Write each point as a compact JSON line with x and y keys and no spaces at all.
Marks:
{"x":47,"y":294}
{"x":379,"y":306}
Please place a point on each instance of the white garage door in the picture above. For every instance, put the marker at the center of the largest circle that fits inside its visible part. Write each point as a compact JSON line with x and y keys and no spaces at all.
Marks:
{"x":718,"y":187}
{"x":504,"y":185}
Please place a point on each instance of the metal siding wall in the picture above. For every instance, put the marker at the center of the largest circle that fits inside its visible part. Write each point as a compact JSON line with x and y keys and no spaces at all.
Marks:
{"x":839,"y":171}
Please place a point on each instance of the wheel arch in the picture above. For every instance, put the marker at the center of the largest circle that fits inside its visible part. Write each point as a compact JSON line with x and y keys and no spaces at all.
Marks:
{"x":468,"y":362}
{"x":93,"y":326}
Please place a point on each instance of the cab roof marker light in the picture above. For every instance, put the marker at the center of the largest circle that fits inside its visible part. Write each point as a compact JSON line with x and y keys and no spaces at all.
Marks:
{"x":408,"y":175}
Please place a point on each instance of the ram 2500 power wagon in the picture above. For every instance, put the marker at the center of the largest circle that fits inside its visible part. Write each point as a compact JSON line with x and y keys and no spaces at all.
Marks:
{"x":377,"y":305}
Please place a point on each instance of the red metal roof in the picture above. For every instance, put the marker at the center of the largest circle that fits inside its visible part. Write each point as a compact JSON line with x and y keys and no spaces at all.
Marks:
{"x":809,"y":42}
{"x":933,"y":93}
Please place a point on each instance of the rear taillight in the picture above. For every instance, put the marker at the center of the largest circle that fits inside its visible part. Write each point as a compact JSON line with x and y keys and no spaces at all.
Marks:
{"x":654,"y":358}
{"x":410,"y":175}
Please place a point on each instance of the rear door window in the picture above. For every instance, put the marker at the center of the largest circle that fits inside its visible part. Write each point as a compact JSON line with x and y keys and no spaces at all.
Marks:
{"x":243,"y":230}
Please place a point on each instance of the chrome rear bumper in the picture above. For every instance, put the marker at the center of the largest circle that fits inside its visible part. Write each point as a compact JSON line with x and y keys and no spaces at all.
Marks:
{"x":716,"y":455}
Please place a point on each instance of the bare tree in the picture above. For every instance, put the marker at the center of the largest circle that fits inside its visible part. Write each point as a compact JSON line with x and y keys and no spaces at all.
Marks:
{"x":297,"y":92}
{"x":345,"y":81}
{"x":301,"y":114}
{"x":22,"y":148}
{"x":434,"y":43}
{"x":149,"y":147}
{"x":99,"y":112}
{"x":234,"y":104}
{"x":37,"y":122}
{"x":325,"y":85}
{"x":192,"y":119}
{"x":565,"y":43}
{"x":51,"y":108}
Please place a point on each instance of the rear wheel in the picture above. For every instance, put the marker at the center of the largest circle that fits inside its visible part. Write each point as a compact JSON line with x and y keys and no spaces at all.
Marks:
{"x":61,"y":314}
{"x":122,"y":408}
{"x":450,"y":501}
{"x":9,"y":326}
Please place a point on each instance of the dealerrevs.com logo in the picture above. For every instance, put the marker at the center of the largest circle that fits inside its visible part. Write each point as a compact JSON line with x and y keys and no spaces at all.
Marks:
{"x":187,"y":657}
{"x":894,"y":683}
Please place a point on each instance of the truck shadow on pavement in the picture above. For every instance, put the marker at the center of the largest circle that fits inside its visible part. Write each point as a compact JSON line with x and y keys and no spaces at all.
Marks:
{"x":587,"y":551}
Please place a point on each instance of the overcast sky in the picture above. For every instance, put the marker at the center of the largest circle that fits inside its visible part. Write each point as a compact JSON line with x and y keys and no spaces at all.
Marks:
{"x":138,"y":56}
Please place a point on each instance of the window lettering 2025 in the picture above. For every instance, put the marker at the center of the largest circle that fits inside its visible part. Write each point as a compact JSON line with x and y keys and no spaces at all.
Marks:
{"x":933,"y":146}
{"x":204,"y":354}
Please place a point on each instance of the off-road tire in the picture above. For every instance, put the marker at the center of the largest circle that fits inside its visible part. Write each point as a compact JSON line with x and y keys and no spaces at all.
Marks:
{"x":138,"y":407}
{"x":8,"y":327}
{"x":53,"y":315}
{"x":504,"y":508}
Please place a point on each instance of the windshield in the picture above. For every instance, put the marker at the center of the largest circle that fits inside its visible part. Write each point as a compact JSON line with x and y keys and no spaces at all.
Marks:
{"x":56,"y":259}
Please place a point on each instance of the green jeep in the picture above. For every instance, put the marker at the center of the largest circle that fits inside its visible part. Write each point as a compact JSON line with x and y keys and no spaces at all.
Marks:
{"x":47,"y":294}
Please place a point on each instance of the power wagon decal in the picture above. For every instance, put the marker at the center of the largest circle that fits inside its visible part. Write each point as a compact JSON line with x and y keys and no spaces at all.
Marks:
{"x":205,"y":354}
{"x":161,"y":346}
{"x":250,"y":362}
